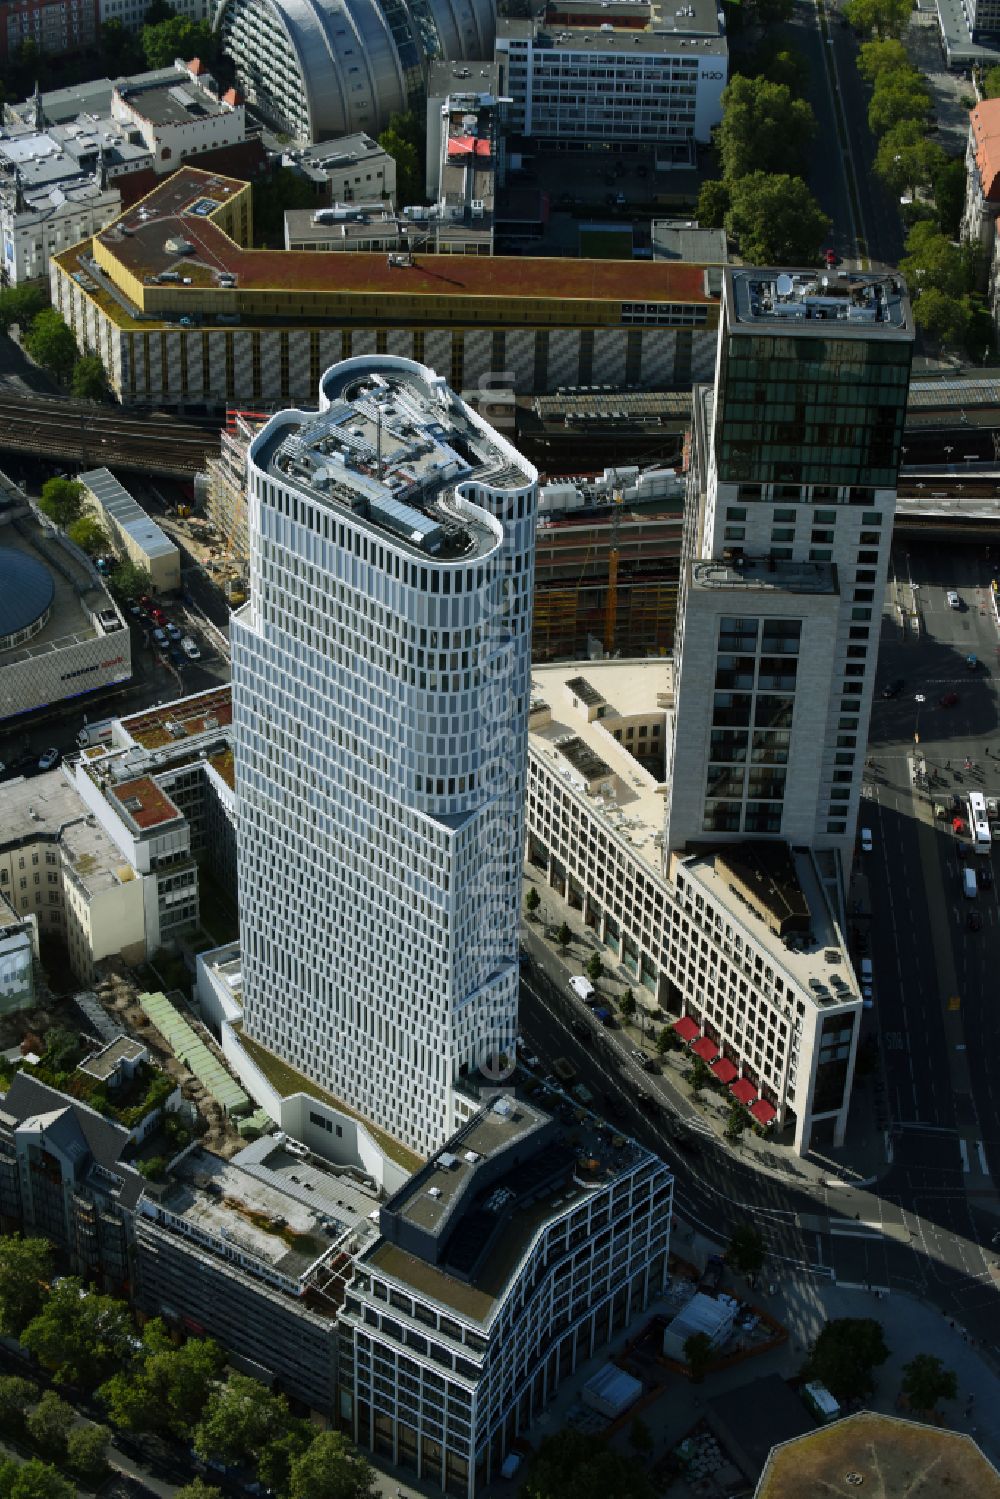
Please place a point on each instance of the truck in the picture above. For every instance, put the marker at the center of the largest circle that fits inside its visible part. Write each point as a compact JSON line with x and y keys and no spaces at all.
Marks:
{"x":969,"y":884}
{"x":564,"y":1070}
{"x":101,"y":732}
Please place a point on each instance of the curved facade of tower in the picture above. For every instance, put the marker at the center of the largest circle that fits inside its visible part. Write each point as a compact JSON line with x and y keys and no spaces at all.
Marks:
{"x":318,"y":69}
{"x":381,"y":686}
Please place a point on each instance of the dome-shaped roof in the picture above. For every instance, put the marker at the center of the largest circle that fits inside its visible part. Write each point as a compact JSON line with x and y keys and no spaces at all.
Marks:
{"x":26,"y":591}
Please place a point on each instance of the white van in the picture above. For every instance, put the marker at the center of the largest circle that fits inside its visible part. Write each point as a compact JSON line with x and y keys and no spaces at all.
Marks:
{"x":969,"y":886}
{"x":190,"y":648}
{"x":866,"y":970}
{"x":581,"y":987}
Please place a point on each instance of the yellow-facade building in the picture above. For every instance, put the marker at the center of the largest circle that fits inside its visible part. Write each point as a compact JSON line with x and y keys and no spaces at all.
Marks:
{"x":184,"y":312}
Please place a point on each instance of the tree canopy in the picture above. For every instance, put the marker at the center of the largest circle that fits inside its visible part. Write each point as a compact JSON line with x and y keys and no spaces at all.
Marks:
{"x":403,"y":138}
{"x":876,"y":58}
{"x":87,"y":1450}
{"x":240,"y":1420}
{"x":776,"y":220}
{"x":906,"y":159}
{"x":49,"y":1424}
{"x":89,"y":380}
{"x":129,"y":580}
{"x":16,"y":1394}
{"x":33,"y":1480}
{"x":88,"y":534}
{"x":81,"y":1338}
{"x":578,"y":1465}
{"x":331,"y":1468}
{"x":713,"y":203}
{"x":51,"y":344}
{"x":19,"y":304}
{"x":845,"y":1354}
{"x":166,"y":1388}
{"x":898,"y":95}
{"x":764,"y":128}
{"x":25,"y":1267}
{"x":198,"y":1489}
{"x":177,"y":37}
{"x":926,"y":1381}
{"x":879,"y":18}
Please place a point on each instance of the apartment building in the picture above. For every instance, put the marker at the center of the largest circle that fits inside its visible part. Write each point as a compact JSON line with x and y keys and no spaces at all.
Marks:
{"x":746,"y":943}
{"x":982,"y":195}
{"x":18,"y":957}
{"x":380,"y":661}
{"x":56,"y":27}
{"x":788,"y":528}
{"x":351,"y":169}
{"x":518,"y":1251}
{"x":183,"y":312}
{"x":623,"y":74}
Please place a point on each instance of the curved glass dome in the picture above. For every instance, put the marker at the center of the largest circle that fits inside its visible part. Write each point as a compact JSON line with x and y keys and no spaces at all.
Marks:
{"x":26,"y":594}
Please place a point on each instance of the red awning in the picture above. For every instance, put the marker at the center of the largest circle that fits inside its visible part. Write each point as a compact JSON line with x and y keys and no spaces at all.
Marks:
{"x":724,"y":1070}
{"x":686,"y":1028}
{"x":705,"y":1049}
{"x":763,"y":1111}
{"x":743,"y":1091}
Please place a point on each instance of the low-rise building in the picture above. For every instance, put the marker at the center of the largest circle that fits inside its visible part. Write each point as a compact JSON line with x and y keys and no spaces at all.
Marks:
{"x":62,"y":1176}
{"x":61,"y":635}
{"x":627,"y":73}
{"x":18,"y":957}
{"x":520,"y":1249}
{"x":180,"y":119}
{"x":182,"y":311}
{"x":350,"y":169}
{"x":685,"y":239}
{"x":132,"y":533}
{"x":764,"y":980}
{"x":132,"y":13}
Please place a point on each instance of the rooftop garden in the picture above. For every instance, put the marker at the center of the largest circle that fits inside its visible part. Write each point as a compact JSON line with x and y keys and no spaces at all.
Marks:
{"x":59,"y":1057}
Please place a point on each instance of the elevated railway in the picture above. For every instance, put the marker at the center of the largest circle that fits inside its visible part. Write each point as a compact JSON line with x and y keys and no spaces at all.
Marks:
{"x":86,"y":436}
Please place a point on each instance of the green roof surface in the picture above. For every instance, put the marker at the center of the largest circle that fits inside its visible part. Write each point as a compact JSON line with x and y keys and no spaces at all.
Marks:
{"x":192,"y":1051}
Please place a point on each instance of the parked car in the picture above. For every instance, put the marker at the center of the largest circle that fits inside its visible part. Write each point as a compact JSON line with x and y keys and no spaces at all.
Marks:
{"x":160,"y":637}
{"x":831,"y":257}
{"x":48,"y":759}
{"x":866,"y":840}
{"x":954,"y":602}
{"x":172,"y":630}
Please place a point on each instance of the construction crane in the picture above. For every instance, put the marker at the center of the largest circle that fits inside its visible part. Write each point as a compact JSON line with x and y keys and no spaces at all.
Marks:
{"x":611,"y":601}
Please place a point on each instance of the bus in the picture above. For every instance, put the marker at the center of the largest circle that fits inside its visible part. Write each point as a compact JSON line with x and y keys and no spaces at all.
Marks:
{"x":979,"y":823}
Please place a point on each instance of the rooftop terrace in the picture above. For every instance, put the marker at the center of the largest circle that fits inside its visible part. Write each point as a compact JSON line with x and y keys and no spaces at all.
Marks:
{"x":861,"y":304}
{"x":143,"y":803}
{"x":182,"y":720}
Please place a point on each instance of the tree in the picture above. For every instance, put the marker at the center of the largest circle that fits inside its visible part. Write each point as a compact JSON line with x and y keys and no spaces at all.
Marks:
{"x":35,"y":1480}
{"x":79,"y":1337}
{"x":16,"y":1394}
{"x":564,"y":936}
{"x":198,"y":1489}
{"x":698,"y":1075}
{"x":578,"y":1465}
{"x":48,"y":1425}
{"x":19,"y":304}
{"x":764,"y":128}
{"x":167,"y":1388}
{"x":594,"y":967}
{"x":62,"y":501}
{"x":776,"y":220}
{"x":666,"y":1041}
{"x":285,"y":188}
{"x":875,"y":58}
{"x":944,"y":318}
{"x":89,"y":535}
{"x":713,"y":203}
{"x":532,"y":900}
{"x":698,"y":1355}
{"x":627,"y":1005}
{"x":240,"y":1419}
{"x":274,"y":1464}
{"x":87,"y":1450}
{"x":736,"y":1122}
{"x":906,"y":159}
{"x":129,"y":580}
{"x":898,"y":96}
{"x":778,"y":66}
{"x":991,"y":83}
{"x":330,"y":1468}
{"x":948,"y":183}
{"x":121,"y":49}
{"x":879,"y":18}
{"x":926,"y":1381}
{"x":844,"y":1355}
{"x":159,"y":10}
{"x":89,"y":380}
{"x":640,"y":1437}
{"x":746,"y":1249}
{"x":51,"y":344}
{"x":403,"y":139}
{"x":177,"y":37}
{"x":25,"y":1267}
{"x":932,"y":260}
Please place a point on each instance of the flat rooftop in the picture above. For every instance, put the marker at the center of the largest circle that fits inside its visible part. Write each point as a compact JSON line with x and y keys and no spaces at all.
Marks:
{"x":634,"y":803}
{"x":648,"y":26}
{"x":243,"y":1203}
{"x":95,"y":859}
{"x":766,"y":574}
{"x":115,"y":499}
{"x":390,"y":448}
{"x":813,"y":957}
{"x":493,"y":1229}
{"x":37,"y":807}
{"x":180,"y":209}
{"x":892,"y":1458}
{"x":183,"y":719}
{"x":143,"y":803}
{"x":102,"y":1064}
{"x":861,"y":304}
{"x":172,"y":103}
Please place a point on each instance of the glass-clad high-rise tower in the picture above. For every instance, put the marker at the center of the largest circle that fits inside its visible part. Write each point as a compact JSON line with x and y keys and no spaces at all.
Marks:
{"x":787,"y":534}
{"x":381,"y":680}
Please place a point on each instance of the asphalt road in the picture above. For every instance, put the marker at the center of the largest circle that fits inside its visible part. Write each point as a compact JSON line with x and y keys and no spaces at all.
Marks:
{"x":826,"y":176}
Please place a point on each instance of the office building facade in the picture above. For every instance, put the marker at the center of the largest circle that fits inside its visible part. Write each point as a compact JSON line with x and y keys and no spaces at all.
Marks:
{"x":380,"y":704}
{"x":787,"y":534}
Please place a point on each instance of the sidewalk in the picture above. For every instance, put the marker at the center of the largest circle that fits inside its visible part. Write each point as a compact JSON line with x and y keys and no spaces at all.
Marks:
{"x":863,"y":1159}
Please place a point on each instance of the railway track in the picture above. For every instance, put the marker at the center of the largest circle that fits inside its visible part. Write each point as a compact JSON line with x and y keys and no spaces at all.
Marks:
{"x":95,"y":438}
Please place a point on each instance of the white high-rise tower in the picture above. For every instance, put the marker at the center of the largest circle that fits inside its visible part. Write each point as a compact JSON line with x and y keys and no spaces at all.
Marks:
{"x":381,"y":680}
